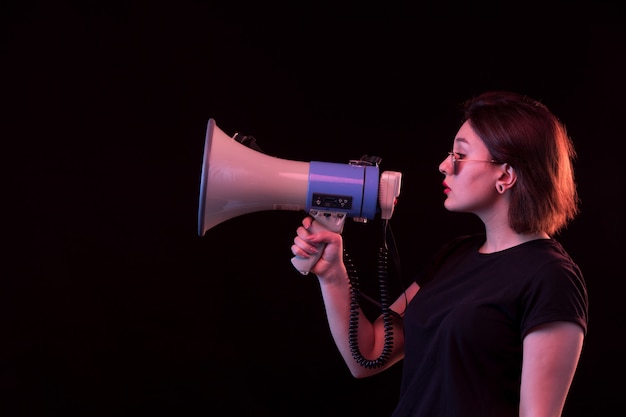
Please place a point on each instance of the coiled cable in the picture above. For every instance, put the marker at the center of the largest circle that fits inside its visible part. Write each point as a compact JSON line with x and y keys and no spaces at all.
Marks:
{"x":387,"y":313}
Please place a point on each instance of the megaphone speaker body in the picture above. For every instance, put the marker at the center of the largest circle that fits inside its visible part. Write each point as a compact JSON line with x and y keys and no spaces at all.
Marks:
{"x":238,"y":180}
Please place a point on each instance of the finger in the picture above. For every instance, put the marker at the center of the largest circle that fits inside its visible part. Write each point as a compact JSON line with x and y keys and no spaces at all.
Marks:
{"x":307,"y":222}
{"x":304,"y":245}
{"x":305,"y":235}
{"x":299,"y":252}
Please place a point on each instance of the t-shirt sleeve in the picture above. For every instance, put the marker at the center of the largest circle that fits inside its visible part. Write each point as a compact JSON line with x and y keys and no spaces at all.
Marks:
{"x":557,"y":292}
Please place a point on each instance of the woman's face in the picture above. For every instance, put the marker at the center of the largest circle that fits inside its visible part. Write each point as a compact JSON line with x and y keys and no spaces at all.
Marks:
{"x":470,"y":182}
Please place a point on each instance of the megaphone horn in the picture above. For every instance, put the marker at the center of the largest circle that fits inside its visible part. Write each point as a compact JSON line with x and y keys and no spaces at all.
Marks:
{"x":238,"y":180}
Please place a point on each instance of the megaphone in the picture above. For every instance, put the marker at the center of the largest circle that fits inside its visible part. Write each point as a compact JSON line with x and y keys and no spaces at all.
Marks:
{"x":237,"y":180}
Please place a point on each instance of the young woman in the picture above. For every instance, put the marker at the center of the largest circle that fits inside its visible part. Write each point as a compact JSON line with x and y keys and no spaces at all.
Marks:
{"x":495,"y":326}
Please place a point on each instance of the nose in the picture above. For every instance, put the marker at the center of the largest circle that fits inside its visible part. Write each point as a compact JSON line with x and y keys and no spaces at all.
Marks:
{"x":444,"y":166}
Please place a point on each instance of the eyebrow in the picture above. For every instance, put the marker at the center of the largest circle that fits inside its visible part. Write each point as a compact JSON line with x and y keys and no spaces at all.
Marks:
{"x":461,"y":139}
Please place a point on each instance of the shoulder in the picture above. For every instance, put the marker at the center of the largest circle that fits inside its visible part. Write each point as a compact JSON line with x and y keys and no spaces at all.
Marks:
{"x":546,"y":255}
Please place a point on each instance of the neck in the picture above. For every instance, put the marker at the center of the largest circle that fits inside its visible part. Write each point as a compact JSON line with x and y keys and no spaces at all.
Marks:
{"x":502,"y":238}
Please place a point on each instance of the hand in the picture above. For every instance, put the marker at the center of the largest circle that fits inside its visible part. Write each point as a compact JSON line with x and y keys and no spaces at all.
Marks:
{"x":307,"y":244}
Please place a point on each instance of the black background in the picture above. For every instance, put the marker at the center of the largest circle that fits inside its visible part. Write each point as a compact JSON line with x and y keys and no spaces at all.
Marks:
{"x":111,"y":304}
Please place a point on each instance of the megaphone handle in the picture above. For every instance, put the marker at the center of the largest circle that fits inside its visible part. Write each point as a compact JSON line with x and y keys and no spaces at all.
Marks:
{"x":304,"y":265}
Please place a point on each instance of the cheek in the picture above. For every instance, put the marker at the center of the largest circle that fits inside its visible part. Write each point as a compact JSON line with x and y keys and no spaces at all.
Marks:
{"x":470,"y":193}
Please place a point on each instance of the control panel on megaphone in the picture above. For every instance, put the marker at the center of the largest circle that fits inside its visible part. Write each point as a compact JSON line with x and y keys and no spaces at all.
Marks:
{"x":238,"y":179}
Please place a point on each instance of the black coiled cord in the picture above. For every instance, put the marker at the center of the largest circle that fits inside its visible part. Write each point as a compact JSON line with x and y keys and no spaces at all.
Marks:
{"x":387,"y":313}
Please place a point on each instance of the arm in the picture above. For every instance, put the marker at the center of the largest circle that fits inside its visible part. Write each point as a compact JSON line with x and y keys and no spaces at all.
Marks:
{"x":551,"y":354}
{"x":335,"y":288}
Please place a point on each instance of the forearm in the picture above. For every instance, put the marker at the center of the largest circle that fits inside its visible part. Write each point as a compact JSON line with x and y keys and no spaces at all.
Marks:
{"x":336,"y":293}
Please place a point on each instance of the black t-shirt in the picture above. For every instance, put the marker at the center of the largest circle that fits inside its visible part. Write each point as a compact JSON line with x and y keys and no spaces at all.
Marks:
{"x":464,"y":328}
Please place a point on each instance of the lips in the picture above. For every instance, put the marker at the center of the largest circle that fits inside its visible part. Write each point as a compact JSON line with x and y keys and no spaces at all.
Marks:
{"x":446,"y":189}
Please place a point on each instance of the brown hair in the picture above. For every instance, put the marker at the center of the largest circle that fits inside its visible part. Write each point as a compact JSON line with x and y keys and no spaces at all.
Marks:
{"x":525,"y":134}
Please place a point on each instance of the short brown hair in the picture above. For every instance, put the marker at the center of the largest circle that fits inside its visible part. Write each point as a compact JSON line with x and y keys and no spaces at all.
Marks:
{"x":525,"y":134}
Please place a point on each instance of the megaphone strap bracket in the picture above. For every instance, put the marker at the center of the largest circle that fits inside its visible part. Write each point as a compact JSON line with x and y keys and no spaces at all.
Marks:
{"x":367,"y":161}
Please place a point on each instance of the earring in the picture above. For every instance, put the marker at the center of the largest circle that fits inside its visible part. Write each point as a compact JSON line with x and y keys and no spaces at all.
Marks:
{"x":500,"y":188}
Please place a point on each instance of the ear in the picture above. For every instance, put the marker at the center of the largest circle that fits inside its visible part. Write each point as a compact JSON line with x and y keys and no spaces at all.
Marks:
{"x":507,"y":178}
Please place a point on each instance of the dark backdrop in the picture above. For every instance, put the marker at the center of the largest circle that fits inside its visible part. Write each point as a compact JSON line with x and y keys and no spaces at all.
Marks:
{"x":111,"y":304}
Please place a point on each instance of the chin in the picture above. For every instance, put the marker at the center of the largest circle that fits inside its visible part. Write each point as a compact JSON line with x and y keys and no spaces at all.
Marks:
{"x":452,"y":208}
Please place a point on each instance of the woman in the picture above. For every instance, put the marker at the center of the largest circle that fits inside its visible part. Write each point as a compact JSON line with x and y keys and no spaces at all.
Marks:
{"x":495,"y":326}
